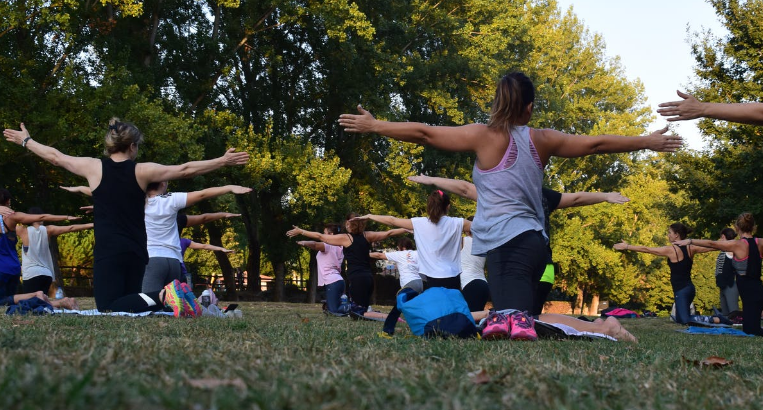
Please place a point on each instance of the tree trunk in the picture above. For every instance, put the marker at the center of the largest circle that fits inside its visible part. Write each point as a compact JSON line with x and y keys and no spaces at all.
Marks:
{"x":579,"y":302}
{"x":312,"y":279}
{"x":279,"y":268}
{"x":593,"y":310}
{"x":255,"y":248}
{"x":215,"y":238}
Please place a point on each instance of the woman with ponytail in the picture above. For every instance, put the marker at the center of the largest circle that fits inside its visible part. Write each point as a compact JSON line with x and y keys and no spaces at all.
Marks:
{"x":747,"y":264}
{"x":508,"y":174}
{"x":438,"y":239}
{"x":680,"y":260}
{"x":118,"y":185}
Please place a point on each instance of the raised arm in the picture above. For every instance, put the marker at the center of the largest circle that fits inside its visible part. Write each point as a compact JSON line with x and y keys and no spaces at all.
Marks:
{"x":78,"y":190}
{"x":375,"y":236}
{"x":661,"y":251}
{"x":59,"y":230}
{"x":194,"y":220}
{"x":147,"y":172}
{"x":726,"y":246}
{"x":196,"y":196}
{"x":387,"y":220}
{"x":28,"y":219}
{"x":378,"y":255}
{"x":89,"y":168}
{"x":689,"y":108}
{"x":463,"y":138}
{"x":590,"y":198}
{"x":461,"y":188}
{"x":208,"y":247}
{"x":316,"y":246}
{"x":558,"y":144}
{"x":337,"y":240}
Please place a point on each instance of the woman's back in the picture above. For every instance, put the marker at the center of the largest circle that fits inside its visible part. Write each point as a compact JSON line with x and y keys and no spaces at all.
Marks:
{"x":36,"y":258}
{"x":357,"y":254}
{"x":118,"y":211}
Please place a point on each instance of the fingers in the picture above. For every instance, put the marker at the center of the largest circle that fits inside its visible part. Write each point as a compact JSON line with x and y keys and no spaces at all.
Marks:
{"x":683,"y":95}
{"x":23,"y":128}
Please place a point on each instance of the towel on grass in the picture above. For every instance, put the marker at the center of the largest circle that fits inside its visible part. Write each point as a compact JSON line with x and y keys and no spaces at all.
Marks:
{"x":96,"y":312}
{"x":693,"y":330}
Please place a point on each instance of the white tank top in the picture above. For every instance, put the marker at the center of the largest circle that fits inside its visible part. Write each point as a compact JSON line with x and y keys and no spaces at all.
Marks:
{"x":36,"y":260}
{"x":472,"y":267}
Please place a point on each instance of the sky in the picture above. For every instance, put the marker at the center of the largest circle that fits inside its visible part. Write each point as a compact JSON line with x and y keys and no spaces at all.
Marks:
{"x":651,"y":38}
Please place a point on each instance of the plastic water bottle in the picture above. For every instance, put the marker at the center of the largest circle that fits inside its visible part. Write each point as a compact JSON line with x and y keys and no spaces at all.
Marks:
{"x":343,"y":300}
{"x":59,"y":293}
{"x":205,"y":299}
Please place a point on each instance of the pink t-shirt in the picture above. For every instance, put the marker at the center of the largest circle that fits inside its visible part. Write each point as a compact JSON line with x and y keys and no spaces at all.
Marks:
{"x":329,"y":264}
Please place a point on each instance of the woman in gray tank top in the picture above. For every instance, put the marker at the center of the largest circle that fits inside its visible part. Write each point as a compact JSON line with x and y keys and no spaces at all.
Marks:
{"x":508,"y":174}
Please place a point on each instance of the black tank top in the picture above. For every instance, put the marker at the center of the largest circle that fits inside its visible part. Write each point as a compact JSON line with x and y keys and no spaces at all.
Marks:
{"x":680,"y":272}
{"x":357,"y":255}
{"x":119,"y":224}
{"x":753,"y":260}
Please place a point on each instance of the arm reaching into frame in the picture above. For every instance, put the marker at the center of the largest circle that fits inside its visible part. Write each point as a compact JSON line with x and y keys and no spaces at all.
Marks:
{"x":208,"y":247}
{"x":196,"y":196}
{"x":461,"y":188}
{"x":195,"y":220}
{"x":54,"y":230}
{"x":590,"y":198}
{"x":689,"y":108}
{"x":316,"y":246}
{"x":337,"y":240}
{"x":147,"y":172}
{"x":84,"y":190}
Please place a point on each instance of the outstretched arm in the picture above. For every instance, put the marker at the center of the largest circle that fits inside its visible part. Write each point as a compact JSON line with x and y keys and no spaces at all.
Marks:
{"x":378,"y":255}
{"x":337,"y":240}
{"x":690,"y":108}
{"x":375,"y":236}
{"x":463,"y":138}
{"x":196,"y":196}
{"x":58,"y":230}
{"x":461,"y":188}
{"x":554,"y":143}
{"x":726,"y":246}
{"x":147,"y":172}
{"x":590,"y":198}
{"x":89,"y":168}
{"x":78,"y":190}
{"x":387,"y":220}
{"x":316,"y":246}
{"x":27,"y":219}
{"x":194,"y":220}
{"x":208,"y":247}
{"x":661,"y":251}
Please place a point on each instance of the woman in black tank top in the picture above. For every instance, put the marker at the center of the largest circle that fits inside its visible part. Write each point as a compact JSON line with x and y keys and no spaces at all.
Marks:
{"x":357,"y":247}
{"x":749,"y":249}
{"x":680,"y":263}
{"x":118,"y":186}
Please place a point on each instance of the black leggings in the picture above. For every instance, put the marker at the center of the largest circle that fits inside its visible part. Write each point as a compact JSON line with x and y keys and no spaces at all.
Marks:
{"x":39,"y":282}
{"x":447,"y":283}
{"x":541,"y":294}
{"x":476,"y":293}
{"x":514,"y":271}
{"x":360,"y":287}
{"x":751,"y":291}
{"x":117,"y":283}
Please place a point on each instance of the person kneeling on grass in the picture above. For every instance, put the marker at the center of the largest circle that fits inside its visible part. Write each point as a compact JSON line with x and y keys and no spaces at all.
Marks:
{"x":406,"y":259}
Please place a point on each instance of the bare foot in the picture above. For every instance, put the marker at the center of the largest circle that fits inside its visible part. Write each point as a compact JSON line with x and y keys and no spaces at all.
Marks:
{"x":67,"y":303}
{"x":612,"y":327}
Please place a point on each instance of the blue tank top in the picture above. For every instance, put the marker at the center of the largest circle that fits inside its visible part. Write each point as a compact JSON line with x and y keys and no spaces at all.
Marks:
{"x":509,"y":195}
{"x":9,"y":258}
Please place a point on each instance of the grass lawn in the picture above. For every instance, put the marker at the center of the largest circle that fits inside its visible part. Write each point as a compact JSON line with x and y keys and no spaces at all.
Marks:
{"x":290,"y":356}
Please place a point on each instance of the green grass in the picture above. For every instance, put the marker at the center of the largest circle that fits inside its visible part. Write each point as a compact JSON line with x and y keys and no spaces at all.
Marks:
{"x":290,"y":356}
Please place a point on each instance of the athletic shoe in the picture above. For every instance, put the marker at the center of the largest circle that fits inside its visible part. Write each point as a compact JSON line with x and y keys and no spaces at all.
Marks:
{"x":522,"y":327}
{"x":174,"y":298}
{"x":496,"y":326}
{"x":192,"y":306}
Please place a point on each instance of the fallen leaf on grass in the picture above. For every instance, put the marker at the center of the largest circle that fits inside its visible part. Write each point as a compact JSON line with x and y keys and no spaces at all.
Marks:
{"x":215,"y":383}
{"x":603,"y":358}
{"x":479,"y":377}
{"x":305,"y":320}
{"x":16,"y":323}
{"x":713,"y":361}
{"x":360,"y":338}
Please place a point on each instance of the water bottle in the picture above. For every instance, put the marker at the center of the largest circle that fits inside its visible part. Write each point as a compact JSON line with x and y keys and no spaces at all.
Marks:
{"x":59,"y":293}
{"x":343,"y":300}
{"x":205,"y":299}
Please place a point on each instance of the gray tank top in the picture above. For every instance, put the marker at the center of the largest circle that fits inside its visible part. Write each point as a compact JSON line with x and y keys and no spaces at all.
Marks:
{"x":509,"y":195}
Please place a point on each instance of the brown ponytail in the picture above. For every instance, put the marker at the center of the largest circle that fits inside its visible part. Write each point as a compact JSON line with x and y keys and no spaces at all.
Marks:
{"x":514,"y":92}
{"x":437,"y":205}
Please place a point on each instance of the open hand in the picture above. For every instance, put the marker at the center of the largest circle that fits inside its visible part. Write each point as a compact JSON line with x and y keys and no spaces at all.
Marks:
{"x":616,"y":198}
{"x":665,"y":143}
{"x":361,"y":123}
{"x":688,"y":108}
{"x":16,"y":136}
{"x":232,"y":157}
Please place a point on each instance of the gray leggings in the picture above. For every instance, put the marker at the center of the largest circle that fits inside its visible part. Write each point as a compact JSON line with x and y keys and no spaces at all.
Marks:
{"x":160,"y":272}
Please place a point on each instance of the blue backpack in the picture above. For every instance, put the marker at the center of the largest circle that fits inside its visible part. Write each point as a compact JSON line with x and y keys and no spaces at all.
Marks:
{"x":437,"y":312}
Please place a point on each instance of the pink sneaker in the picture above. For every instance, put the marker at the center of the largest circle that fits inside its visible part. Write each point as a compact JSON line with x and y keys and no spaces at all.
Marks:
{"x":496,"y":326}
{"x":522,"y":327}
